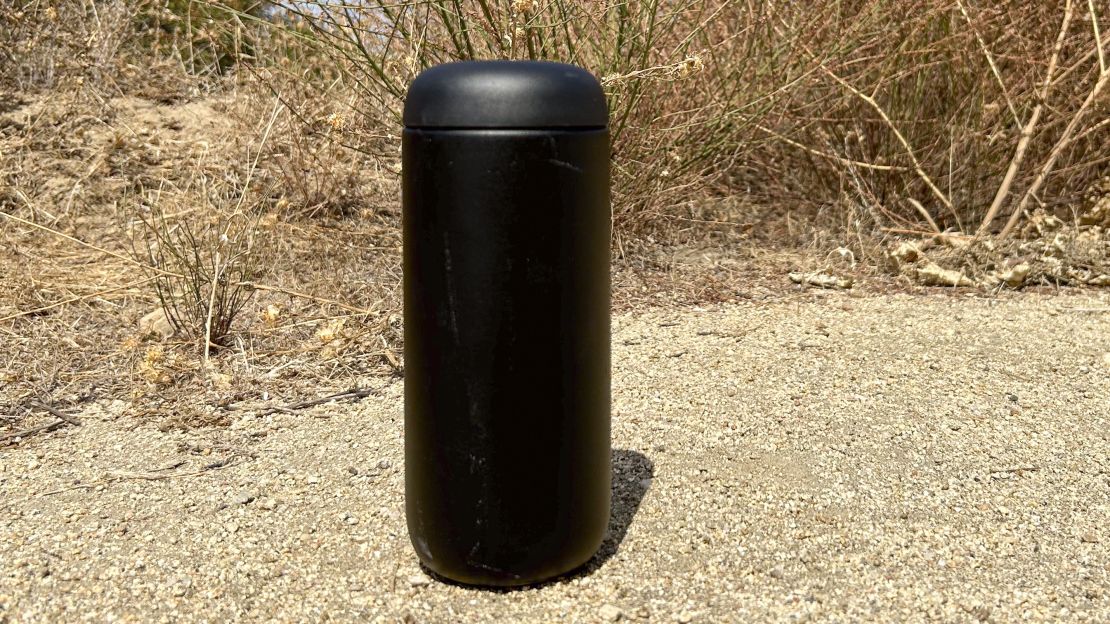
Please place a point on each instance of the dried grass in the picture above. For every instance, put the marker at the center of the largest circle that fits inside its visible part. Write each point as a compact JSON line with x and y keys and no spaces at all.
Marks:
{"x":751,"y":139}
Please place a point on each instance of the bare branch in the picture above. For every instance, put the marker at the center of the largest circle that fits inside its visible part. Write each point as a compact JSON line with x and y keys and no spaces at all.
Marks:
{"x":1029,"y":129}
{"x":1098,"y":38}
{"x":1057,"y":150}
{"x":990,"y":61}
{"x":832,"y":157}
{"x":901,"y":139}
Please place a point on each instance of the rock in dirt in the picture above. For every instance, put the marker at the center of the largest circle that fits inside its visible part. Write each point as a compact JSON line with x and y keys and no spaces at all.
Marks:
{"x":933,"y":275}
{"x":1014,"y":277}
{"x":955,"y":241}
{"x":156,"y":323}
{"x":610,"y":613}
{"x":906,"y":253}
{"x":821,"y":280}
{"x":180,"y":586}
{"x":244,"y":498}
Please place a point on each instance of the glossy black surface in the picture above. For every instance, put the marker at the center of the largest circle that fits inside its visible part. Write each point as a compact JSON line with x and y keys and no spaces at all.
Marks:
{"x":505,"y":94}
{"x":506,"y":252}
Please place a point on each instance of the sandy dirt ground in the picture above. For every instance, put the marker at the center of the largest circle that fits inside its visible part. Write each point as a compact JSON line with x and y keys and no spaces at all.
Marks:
{"x":829,"y":458}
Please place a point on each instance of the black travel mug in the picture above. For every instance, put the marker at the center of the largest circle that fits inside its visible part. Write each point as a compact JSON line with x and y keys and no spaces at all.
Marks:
{"x":506,"y":286}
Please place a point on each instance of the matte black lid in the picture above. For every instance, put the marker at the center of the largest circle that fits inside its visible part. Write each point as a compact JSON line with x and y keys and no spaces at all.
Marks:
{"x":505,"y":94}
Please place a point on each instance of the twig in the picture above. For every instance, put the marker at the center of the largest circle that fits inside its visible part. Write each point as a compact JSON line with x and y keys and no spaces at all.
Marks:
{"x":925,"y":233}
{"x":66,"y":417}
{"x":32,"y":431}
{"x":939,"y":194}
{"x":75,"y":300}
{"x":1057,"y":150}
{"x":301,"y":295}
{"x":1085,"y":310}
{"x":63,"y":419}
{"x":833,"y":157}
{"x":924,"y":213}
{"x":1017,"y":469}
{"x":355,"y":393}
{"x":211,"y":309}
{"x":1098,"y":38}
{"x":1029,"y":128}
{"x":991,"y":63}
{"x":120,"y":475}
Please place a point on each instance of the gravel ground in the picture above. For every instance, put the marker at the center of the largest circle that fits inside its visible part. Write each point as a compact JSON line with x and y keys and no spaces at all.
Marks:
{"x":827,"y":458}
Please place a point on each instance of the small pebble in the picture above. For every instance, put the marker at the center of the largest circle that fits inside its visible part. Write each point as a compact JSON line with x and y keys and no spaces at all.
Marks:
{"x":610,"y":613}
{"x":243,"y":498}
{"x":419,"y":580}
{"x":181,"y":586}
{"x":383,"y":464}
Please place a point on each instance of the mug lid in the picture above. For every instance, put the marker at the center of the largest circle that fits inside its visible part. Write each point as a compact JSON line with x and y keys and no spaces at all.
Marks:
{"x":505,"y":94}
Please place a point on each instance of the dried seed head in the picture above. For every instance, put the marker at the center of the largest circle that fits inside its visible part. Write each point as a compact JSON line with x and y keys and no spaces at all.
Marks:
{"x":335,"y":120}
{"x":331,"y":331}
{"x":156,"y":366}
{"x":271,"y":315}
{"x":690,"y":65}
{"x":524,"y":7}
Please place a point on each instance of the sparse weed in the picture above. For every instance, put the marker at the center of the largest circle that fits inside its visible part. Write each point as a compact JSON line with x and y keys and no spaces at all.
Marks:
{"x":201,"y":257}
{"x":201,"y":260}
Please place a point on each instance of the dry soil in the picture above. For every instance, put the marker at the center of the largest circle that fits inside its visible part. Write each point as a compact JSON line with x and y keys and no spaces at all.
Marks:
{"x":888,"y":458}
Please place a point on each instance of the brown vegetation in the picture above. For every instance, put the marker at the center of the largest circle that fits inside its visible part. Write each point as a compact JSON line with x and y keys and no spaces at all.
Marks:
{"x":235,"y":165}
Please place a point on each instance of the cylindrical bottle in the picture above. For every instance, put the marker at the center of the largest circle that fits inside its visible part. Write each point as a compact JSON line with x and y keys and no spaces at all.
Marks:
{"x":506,"y":285}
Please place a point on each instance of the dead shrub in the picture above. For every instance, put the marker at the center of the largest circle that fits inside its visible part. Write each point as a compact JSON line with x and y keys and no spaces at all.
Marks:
{"x":202,"y":265}
{"x":198,"y":244}
{"x":662,"y":63}
{"x":316,"y":174}
{"x":937,"y":115}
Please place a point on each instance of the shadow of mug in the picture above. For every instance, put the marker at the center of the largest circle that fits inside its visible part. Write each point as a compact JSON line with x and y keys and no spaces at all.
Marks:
{"x":632,"y":475}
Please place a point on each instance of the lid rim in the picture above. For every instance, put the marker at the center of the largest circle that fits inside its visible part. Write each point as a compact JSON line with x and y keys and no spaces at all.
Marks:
{"x":505,"y":95}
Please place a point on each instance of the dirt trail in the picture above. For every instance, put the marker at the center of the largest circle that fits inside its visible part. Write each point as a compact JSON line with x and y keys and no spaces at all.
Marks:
{"x":846,"y":459}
